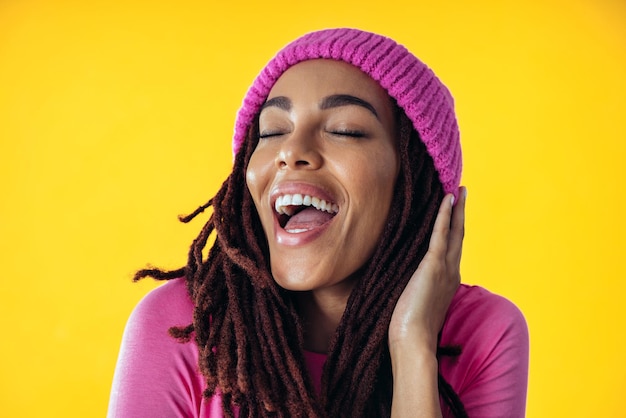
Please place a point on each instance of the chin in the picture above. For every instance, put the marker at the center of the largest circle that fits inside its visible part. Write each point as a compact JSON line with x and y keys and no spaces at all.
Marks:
{"x":295,"y":284}
{"x":299,"y":282}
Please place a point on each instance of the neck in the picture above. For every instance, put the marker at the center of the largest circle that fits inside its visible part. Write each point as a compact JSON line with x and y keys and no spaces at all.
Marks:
{"x":321,"y":311}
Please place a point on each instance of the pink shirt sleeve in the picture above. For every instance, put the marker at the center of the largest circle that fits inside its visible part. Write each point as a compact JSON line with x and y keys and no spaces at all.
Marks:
{"x":156,"y":376}
{"x":491,"y":373}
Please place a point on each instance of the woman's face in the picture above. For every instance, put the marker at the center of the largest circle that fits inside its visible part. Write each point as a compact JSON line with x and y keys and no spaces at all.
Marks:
{"x":323,"y":173}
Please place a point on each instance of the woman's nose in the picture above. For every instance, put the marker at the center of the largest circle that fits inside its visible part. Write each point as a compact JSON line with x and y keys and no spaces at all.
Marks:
{"x":299,"y":151}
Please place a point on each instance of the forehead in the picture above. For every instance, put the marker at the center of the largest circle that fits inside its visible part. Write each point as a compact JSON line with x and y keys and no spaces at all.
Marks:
{"x":307,"y":84}
{"x":328,"y":77}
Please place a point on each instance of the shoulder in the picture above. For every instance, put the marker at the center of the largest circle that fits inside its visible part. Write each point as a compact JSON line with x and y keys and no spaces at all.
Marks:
{"x":156,"y":375}
{"x":146,"y":335}
{"x":490,"y":375}
{"x":168,"y":304}
{"x":475,"y":309}
{"x":481,"y":321}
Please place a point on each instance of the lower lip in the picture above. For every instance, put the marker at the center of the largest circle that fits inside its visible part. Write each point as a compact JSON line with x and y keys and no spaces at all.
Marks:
{"x":301,"y":238}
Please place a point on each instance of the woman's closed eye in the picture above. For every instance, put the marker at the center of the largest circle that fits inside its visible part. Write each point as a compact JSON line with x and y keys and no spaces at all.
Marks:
{"x":270,"y":134}
{"x":353,"y":133}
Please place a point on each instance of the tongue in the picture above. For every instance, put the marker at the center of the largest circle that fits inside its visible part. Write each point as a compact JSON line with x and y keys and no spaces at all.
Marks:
{"x":308,"y":218}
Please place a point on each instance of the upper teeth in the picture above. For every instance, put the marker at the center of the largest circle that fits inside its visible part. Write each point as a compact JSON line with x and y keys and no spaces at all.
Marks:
{"x":284,"y":204}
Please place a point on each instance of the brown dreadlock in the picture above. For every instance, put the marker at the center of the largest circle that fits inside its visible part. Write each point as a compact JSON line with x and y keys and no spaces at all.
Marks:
{"x":248,"y":333}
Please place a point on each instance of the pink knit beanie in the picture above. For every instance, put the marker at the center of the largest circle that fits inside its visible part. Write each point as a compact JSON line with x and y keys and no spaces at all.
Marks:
{"x":416,"y":89}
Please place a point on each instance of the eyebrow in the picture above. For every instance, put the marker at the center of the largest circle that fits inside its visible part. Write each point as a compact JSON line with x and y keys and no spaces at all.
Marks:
{"x":280,"y":102}
{"x":336,"y":100}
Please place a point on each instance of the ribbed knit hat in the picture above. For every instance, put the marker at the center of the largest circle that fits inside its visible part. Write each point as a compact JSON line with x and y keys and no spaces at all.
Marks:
{"x":416,"y":89}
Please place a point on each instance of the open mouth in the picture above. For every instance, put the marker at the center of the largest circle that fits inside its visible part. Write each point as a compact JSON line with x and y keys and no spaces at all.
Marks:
{"x":299,"y":213}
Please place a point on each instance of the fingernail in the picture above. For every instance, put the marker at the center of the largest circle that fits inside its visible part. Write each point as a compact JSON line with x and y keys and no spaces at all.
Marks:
{"x":452,"y":200}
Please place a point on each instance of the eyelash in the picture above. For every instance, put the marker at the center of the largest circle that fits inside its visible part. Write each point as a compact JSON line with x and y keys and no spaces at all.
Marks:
{"x":348,"y":133}
{"x":270,"y":134}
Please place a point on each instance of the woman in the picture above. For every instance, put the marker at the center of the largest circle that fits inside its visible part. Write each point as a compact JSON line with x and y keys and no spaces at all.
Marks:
{"x":333,"y":286}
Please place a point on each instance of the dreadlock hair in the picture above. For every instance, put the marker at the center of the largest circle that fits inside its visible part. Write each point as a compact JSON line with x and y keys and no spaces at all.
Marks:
{"x":248,"y":332}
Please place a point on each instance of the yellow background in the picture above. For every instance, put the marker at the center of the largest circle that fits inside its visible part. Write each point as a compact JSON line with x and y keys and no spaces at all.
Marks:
{"x":116,"y":116}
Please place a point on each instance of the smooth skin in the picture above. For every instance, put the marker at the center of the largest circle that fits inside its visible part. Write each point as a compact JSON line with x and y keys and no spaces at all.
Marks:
{"x":313,"y":140}
{"x":326,"y":129}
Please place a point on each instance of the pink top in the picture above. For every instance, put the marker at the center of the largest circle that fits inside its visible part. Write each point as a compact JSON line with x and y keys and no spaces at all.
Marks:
{"x":156,"y":376}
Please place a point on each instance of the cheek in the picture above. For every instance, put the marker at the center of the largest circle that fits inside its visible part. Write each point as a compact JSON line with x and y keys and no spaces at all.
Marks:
{"x":389,"y":170}
{"x":251,"y":180}
{"x":258,"y":181}
{"x":255,"y":177}
{"x":377,"y":175}
{"x":378,"y":180}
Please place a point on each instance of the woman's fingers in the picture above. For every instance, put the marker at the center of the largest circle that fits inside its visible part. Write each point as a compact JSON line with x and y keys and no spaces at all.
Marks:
{"x":438,"y":245}
{"x":457,"y":230}
{"x":446,"y":242}
{"x":422,"y":307}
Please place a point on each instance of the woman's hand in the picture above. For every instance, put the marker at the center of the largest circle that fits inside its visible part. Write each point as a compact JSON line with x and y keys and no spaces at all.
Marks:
{"x":422,"y":307}
{"x":420,"y":312}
